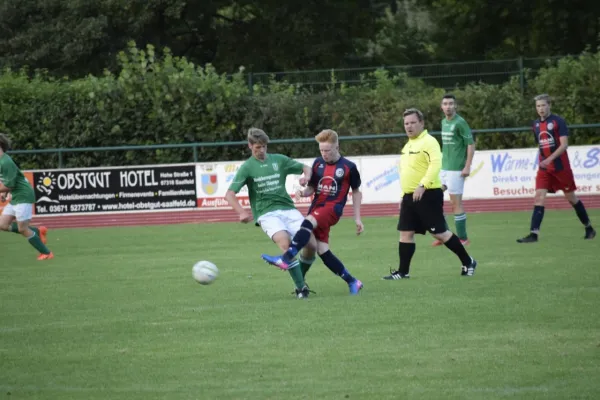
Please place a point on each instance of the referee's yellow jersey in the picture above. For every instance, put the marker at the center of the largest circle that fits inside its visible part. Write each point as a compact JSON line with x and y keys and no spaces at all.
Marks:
{"x":420,"y":162}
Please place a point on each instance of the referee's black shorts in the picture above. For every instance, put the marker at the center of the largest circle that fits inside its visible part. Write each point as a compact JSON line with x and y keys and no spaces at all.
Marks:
{"x":424,"y":215}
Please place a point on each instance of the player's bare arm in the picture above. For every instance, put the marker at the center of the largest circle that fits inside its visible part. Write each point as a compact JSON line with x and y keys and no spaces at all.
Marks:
{"x":470,"y":153}
{"x":356,"y":202}
{"x":306,"y":175}
{"x":231,"y":198}
{"x":564,"y":144}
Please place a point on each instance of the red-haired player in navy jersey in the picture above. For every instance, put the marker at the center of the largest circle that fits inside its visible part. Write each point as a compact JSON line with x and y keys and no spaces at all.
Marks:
{"x":554,"y":173}
{"x":332,"y":178}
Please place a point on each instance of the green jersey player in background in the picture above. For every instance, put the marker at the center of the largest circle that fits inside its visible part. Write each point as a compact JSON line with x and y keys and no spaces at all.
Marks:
{"x":22,"y":198}
{"x":272,"y":207}
{"x":458,"y":148}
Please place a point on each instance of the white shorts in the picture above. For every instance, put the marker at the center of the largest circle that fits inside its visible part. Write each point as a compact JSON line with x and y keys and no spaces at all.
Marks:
{"x":453,"y":181}
{"x":281,"y":220}
{"x":23,"y":212}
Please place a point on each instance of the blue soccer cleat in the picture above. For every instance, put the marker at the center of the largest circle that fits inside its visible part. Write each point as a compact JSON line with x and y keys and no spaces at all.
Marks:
{"x":355,"y":287}
{"x":276,"y":261}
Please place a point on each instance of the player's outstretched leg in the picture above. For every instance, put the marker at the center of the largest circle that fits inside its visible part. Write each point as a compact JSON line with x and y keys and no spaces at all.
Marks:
{"x":584,"y":218}
{"x":301,"y":239}
{"x":336,"y":266}
{"x":536,"y":222}
{"x":37,"y":239}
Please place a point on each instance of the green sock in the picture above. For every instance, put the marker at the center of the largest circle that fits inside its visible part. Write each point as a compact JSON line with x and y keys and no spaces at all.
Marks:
{"x":305,"y":264}
{"x":296,"y":274}
{"x":14,"y":228}
{"x":460,"y":220}
{"x":36,"y":242}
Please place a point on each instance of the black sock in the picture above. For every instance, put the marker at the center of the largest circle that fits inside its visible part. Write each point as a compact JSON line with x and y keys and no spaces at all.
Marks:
{"x":457,"y":248}
{"x":336,"y":266}
{"x":536,"y":218}
{"x":300,"y":239}
{"x":406,"y":252}
{"x":582,"y":213}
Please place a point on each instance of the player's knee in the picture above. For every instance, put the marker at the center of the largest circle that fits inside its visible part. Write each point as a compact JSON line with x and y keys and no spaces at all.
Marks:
{"x":540,"y":197}
{"x":407,"y":236}
{"x":443,"y":237}
{"x":322,"y":248}
{"x":572,"y":198}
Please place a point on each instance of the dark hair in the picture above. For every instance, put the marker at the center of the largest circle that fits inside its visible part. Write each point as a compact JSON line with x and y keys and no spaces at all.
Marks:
{"x":4,"y":142}
{"x":415,"y":111}
{"x":449,"y":96}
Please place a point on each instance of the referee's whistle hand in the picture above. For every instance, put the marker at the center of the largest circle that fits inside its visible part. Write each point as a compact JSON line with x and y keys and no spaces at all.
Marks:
{"x":418,"y":193}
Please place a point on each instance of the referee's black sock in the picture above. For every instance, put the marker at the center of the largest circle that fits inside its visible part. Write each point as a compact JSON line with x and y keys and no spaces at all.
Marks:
{"x":457,"y":248}
{"x":406,"y":251}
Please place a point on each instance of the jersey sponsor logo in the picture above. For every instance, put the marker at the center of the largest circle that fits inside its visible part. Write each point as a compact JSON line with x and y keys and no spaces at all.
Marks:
{"x":209,"y":183}
{"x":546,"y":140}
{"x":339,"y":172}
{"x":327,"y":185}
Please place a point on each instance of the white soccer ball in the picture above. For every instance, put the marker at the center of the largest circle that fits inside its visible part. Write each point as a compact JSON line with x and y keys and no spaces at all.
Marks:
{"x":205,"y":272}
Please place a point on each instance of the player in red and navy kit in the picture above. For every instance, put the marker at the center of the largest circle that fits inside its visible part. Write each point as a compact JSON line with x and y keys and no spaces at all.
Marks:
{"x":332,"y":178}
{"x":554,"y":173}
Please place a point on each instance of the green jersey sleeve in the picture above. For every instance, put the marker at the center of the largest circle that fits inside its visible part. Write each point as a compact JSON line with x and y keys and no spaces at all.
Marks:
{"x":239,"y":180}
{"x":465,"y":133}
{"x":9,"y":173}
{"x":291,"y":166}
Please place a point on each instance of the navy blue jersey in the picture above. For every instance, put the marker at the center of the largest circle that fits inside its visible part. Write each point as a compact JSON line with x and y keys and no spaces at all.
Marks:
{"x":332,"y":182}
{"x":547,"y":135}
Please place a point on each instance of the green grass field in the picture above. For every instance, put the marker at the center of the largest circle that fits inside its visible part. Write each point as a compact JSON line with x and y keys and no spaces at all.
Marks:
{"x":116,"y":315}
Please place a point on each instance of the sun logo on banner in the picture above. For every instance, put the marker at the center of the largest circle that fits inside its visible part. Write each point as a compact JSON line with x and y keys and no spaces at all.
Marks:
{"x":46,"y":182}
{"x":45,"y":185}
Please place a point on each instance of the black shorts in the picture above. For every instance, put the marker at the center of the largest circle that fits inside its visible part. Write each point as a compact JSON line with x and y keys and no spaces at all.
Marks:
{"x":424,"y":215}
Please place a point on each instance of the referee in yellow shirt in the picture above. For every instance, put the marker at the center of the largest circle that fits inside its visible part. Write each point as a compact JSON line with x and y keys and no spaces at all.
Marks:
{"x":422,"y":205}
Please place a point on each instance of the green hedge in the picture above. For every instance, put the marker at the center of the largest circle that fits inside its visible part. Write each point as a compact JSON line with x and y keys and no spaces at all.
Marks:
{"x":159,"y":100}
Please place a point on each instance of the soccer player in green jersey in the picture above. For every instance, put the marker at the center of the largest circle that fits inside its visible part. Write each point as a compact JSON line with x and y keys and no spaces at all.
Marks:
{"x":21,"y":203}
{"x":272,"y":207}
{"x":458,"y":148}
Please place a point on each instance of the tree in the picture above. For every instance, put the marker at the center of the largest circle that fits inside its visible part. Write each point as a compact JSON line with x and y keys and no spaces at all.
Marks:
{"x":471,"y":29}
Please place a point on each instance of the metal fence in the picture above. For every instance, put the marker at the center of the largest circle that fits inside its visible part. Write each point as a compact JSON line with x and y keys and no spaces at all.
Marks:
{"x":60,"y":152}
{"x":444,"y":75}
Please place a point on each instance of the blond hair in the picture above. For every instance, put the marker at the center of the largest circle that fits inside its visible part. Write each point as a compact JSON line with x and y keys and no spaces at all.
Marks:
{"x":257,"y":136}
{"x":543,"y":97}
{"x":327,"y":136}
{"x":4,"y":142}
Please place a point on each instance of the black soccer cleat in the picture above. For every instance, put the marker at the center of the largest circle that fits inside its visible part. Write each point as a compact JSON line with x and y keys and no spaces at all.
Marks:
{"x":303,"y":293}
{"x":469,"y":270}
{"x":590,"y":233}
{"x":531,"y":238}
{"x":395,"y":275}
